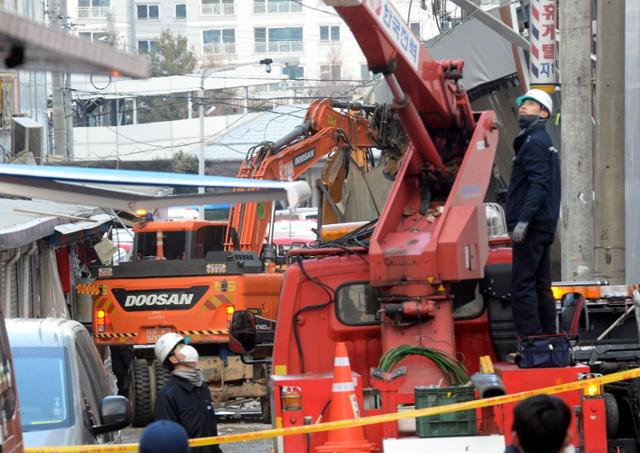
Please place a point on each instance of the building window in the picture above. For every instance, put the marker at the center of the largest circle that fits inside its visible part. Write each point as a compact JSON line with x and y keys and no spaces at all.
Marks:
{"x":276,"y":6}
{"x":286,"y":39}
{"x":148,"y":12}
{"x":329,"y":33}
{"x":95,"y":36}
{"x":146,"y":46}
{"x":219,"y":41}
{"x":93,"y":8}
{"x":415,"y":28}
{"x":181,"y":11}
{"x":217,"y":7}
{"x":330,"y":72}
{"x":294,"y":73}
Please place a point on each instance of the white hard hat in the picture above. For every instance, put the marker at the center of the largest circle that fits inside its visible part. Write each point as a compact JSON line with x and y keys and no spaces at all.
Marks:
{"x":165,"y":345}
{"x":541,"y":97}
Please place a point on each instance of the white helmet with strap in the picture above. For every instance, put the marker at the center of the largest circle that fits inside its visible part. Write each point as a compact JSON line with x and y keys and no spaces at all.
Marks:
{"x":165,"y":345}
{"x":541,"y":97}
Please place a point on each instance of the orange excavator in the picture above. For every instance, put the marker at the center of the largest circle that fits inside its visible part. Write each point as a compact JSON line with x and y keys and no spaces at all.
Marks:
{"x":325,"y":132}
{"x":189,"y":277}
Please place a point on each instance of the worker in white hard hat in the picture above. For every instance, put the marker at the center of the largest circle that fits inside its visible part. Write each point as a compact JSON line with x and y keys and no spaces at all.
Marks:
{"x":185,"y":398}
{"x":533,"y":207}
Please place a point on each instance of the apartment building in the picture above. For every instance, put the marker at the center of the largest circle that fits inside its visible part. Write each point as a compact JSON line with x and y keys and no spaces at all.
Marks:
{"x":221,"y":32}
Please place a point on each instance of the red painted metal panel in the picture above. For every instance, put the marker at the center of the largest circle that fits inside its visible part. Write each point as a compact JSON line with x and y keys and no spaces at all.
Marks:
{"x":519,"y":380}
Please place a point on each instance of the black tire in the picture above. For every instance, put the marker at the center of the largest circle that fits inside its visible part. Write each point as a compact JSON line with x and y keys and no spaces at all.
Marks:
{"x":162,"y":376}
{"x":140,"y":393}
{"x":612,"y":415}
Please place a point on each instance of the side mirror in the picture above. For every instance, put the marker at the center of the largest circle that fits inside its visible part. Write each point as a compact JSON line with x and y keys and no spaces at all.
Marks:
{"x":242,"y":334}
{"x":114,"y":415}
{"x":573,"y":308}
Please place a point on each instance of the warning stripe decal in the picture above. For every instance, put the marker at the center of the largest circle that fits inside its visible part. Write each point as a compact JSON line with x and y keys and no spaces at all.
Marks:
{"x":116,"y":335}
{"x":204,"y":332}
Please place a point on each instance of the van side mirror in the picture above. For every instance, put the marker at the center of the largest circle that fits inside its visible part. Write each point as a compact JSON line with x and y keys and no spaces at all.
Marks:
{"x":242,"y":333}
{"x":573,"y":310}
{"x":114,"y":415}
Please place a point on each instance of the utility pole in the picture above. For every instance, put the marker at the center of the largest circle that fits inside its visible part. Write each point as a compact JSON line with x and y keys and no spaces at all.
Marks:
{"x":609,"y":156}
{"x":202,"y":143}
{"x":576,"y":221}
{"x":632,"y":140}
{"x":57,"y":17}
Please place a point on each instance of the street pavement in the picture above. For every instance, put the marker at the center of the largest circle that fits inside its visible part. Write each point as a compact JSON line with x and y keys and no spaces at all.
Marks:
{"x":132,"y":435}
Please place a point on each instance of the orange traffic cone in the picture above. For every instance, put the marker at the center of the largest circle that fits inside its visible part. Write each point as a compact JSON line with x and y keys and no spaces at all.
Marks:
{"x":344,"y":406}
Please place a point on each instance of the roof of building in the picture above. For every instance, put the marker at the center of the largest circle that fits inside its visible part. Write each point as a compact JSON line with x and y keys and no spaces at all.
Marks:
{"x":254,"y":128}
{"x":112,"y":88}
{"x":26,"y":221}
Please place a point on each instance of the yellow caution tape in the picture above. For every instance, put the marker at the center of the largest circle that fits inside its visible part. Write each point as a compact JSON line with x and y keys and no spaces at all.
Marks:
{"x":384,"y":418}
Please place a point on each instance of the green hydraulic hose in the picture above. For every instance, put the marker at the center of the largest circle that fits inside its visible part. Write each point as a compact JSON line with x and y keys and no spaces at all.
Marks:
{"x":452,"y":368}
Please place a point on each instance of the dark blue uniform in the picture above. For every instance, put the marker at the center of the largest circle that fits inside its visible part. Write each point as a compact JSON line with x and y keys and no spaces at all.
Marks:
{"x":190,"y":406}
{"x":533,"y":197}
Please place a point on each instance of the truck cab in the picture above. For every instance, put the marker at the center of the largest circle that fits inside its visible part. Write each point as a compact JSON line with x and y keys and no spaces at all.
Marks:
{"x":177,"y":240}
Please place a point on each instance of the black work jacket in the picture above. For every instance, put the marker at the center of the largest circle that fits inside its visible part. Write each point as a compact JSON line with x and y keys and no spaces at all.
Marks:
{"x":534,"y":189}
{"x":190,"y":406}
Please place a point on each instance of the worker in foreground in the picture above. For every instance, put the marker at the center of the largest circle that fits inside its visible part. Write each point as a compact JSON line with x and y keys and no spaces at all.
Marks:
{"x":533,"y":207}
{"x":185,"y":398}
{"x":164,"y":436}
{"x":541,"y":425}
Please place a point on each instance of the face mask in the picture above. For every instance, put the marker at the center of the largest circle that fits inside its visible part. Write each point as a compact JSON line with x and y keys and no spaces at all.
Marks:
{"x":190,"y":354}
{"x":527,"y":121}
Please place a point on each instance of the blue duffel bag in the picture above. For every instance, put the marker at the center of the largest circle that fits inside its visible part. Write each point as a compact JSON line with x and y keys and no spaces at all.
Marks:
{"x":544,"y":351}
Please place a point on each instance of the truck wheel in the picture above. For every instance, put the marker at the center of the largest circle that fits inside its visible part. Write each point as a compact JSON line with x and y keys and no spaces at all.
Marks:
{"x":140,"y":393}
{"x":162,"y":376}
{"x":612,"y":415}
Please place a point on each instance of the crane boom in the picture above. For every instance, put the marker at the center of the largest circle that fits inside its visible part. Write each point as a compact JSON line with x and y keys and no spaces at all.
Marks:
{"x":425,"y":91}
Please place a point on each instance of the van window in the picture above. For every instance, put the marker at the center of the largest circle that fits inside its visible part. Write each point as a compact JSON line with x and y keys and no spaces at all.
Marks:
{"x":43,"y":407}
{"x":7,"y":389}
{"x":90,"y":360}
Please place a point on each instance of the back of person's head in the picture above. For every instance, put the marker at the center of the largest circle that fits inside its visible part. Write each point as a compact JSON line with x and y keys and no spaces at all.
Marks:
{"x":541,"y":424}
{"x":164,"y":436}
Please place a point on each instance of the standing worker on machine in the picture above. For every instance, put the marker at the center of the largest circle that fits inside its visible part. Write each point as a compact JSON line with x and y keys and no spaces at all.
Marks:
{"x":186,"y":398}
{"x":533,"y":206}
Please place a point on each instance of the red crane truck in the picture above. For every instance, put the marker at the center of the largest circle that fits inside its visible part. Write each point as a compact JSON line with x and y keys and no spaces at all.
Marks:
{"x":426,"y":275}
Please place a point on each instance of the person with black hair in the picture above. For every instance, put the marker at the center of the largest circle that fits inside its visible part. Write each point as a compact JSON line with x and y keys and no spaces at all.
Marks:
{"x":540,"y":425}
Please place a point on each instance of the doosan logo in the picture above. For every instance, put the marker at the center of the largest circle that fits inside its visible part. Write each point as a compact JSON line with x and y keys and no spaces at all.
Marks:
{"x":158,"y":299}
{"x":304,"y":157}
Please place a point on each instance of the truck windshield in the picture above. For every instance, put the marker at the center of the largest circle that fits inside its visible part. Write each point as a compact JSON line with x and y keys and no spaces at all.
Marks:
{"x":43,"y":407}
{"x":174,"y":245}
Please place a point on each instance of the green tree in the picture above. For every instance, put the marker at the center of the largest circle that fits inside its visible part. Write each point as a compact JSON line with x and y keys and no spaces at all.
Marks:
{"x":172,"y":56}
{"x":184,"y":163}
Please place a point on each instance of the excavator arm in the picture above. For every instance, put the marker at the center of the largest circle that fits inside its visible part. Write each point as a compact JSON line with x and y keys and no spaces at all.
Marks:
{"x":323,"y":131}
